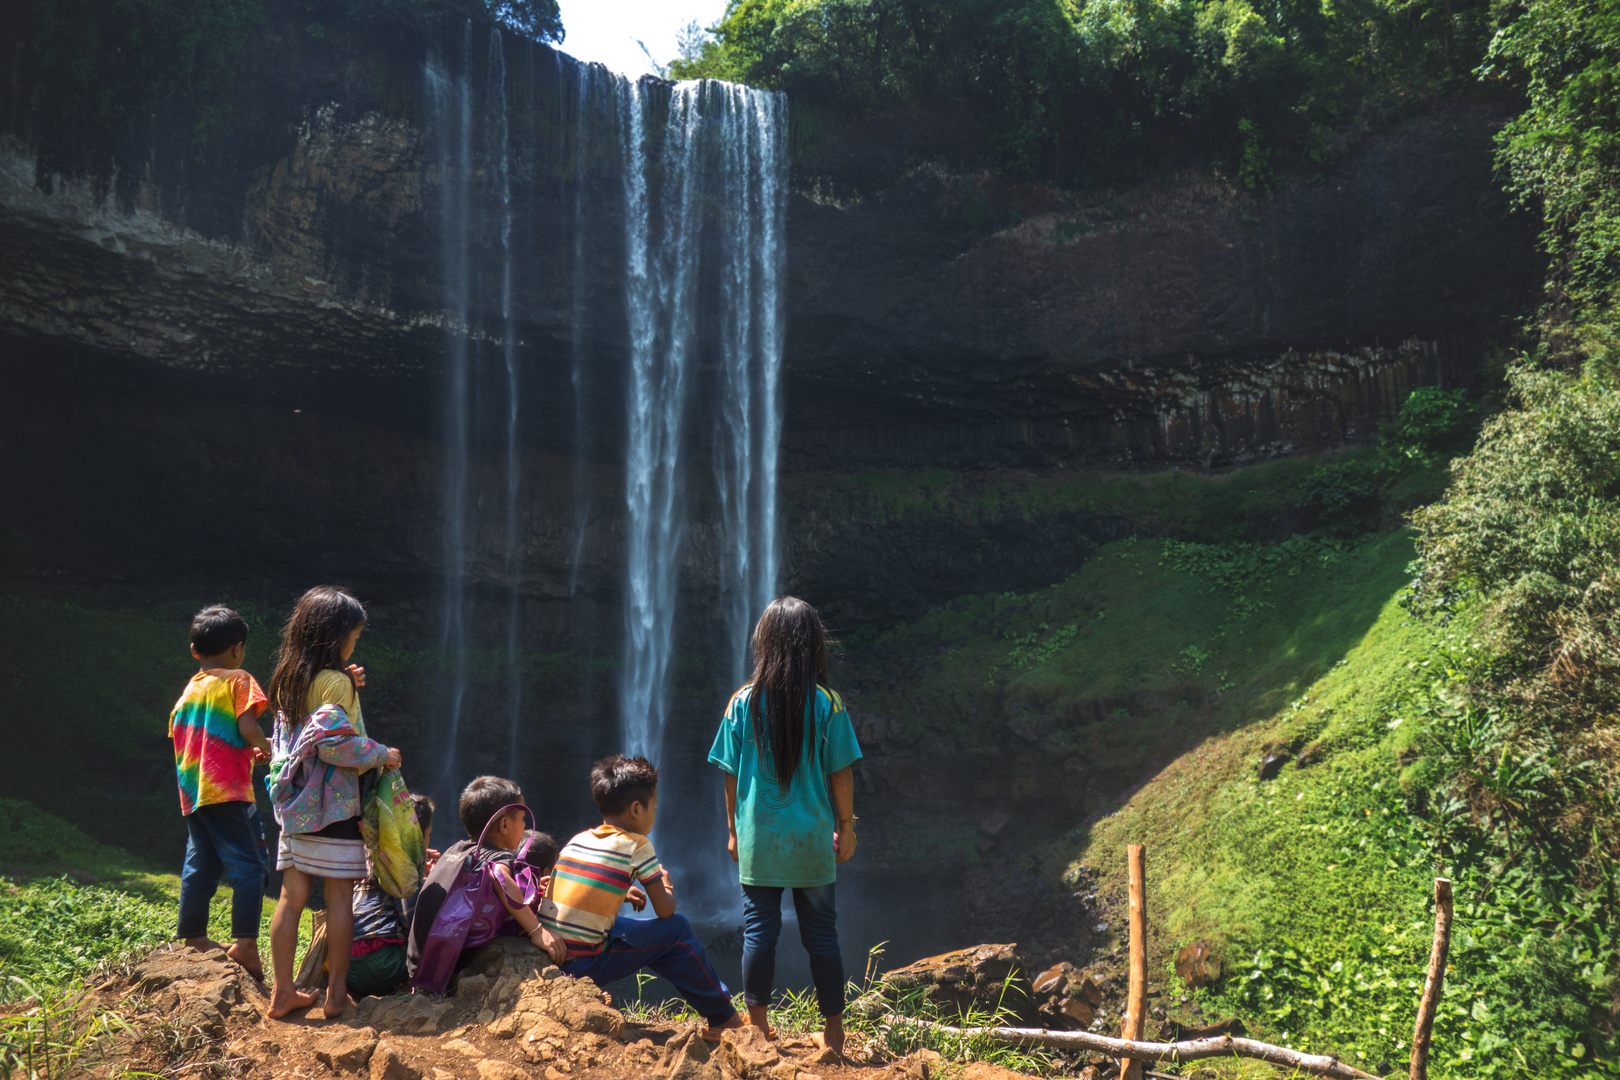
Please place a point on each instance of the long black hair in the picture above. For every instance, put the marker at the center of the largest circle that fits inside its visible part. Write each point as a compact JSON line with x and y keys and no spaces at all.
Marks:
{"x":790,"y":658}
{"x":312,"y":642}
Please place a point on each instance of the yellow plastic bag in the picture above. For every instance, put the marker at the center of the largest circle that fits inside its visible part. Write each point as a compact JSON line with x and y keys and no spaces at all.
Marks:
{"x":393,"y":837}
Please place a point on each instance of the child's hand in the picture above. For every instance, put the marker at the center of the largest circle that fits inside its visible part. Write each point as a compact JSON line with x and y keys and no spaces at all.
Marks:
{"x":261,"y":757}
{"x":553,"y":945}
{"x":636,"y":898}
{"x":432,"y":857}
{"x":358,"y":672}
{"x":731,"y":845}
{"x":844,"y":841}
{"x":392,"y":761}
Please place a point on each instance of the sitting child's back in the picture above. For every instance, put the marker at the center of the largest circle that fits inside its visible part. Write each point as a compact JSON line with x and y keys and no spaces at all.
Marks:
{"x":594,"y":872}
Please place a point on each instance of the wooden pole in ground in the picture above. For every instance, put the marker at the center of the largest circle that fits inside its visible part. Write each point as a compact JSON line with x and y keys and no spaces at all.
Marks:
{"x":1136,"y":1001}
{"x":1433,"y":985}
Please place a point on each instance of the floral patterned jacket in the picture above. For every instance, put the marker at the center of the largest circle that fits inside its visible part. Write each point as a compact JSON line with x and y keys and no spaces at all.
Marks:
{"x":315,"y":768}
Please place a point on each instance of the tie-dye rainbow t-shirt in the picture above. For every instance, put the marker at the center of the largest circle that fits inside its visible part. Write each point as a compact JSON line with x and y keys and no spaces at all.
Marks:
{"x":212,"y":762}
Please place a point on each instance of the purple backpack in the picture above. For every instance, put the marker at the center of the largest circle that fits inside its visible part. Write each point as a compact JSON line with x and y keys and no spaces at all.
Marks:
{"x":472,"y":914}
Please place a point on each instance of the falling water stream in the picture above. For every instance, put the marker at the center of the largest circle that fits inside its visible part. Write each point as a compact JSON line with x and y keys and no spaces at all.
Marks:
{"x":701,"y":170}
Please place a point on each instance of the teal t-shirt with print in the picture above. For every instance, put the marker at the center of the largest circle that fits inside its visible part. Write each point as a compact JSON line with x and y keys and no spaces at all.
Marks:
{"x":786,"y":839}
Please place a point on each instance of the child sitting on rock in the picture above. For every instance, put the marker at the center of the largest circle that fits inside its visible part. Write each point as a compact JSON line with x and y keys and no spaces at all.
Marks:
{"x":593,"y":878}
{"x":381,"y":922}
{"x":491,"y":807}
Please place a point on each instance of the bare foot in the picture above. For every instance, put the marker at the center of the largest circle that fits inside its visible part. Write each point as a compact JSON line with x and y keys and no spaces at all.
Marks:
{"x":831,"y":1036}
{"x":334,"y":1009}
{"x":292,"y":1001}
{"x":203,"y":944}
{"x":607,"y":998}
{"x":246,"y":953}
{"x":759,"y":1016}
{"x":712,"y":1034}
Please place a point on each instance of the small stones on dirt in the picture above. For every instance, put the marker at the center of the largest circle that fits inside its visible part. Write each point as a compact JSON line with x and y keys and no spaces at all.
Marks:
{"x":495,"y":1069}
{"x":388,"y":1064}
{"x":412,"y":1014}
{"x":687,"y":1057}
{"x":983,"y":1070}
{"x":918,"y":1065}
{"x":346,"y":1049}
{"x":464,"y":1048}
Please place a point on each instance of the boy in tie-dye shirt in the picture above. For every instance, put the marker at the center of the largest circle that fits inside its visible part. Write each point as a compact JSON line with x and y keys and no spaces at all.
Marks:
{"x":593,"y":878}
{"x":217,"y":739}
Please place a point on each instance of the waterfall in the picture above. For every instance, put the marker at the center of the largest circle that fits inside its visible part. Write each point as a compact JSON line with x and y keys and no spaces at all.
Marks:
{"x":450,"y":103}
{"x":748,"y":427}
{"x":586,"y":81}
{"x":722,"y":157}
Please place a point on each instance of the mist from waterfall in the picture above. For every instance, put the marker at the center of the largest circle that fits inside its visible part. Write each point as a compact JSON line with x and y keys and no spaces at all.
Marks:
{"x":449,"y":99}
{"x":461,"y":120}
{"x":721,"y":168}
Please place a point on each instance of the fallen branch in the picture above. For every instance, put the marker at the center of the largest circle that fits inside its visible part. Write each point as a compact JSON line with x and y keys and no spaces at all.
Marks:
{"x":1191,"y":1050}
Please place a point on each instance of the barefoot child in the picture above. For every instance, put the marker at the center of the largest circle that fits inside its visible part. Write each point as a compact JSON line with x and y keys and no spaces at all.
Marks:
{"x":593,"y":876}
{"x":321,"y":749}
{"x":215,"y":727}
{"x":786,"y":746}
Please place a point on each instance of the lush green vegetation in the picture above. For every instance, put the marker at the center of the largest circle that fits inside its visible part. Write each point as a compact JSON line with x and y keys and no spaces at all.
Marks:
{"x":1098,"y":90}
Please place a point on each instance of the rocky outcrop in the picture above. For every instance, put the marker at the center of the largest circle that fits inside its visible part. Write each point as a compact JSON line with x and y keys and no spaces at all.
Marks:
{"x":511,"y":1016}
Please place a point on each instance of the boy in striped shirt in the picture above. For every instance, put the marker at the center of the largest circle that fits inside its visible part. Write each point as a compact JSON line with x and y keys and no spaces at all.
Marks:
{"x":594,"y":873}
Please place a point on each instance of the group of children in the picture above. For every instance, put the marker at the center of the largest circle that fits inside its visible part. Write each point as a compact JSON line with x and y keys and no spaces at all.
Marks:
{"x":786,"y":747}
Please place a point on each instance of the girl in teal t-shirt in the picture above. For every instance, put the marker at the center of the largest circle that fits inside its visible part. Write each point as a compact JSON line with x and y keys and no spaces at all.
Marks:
{"x":791,"y":824}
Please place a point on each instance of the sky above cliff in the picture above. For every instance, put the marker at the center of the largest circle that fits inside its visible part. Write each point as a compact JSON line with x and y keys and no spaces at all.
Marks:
{"x":607,"y":30}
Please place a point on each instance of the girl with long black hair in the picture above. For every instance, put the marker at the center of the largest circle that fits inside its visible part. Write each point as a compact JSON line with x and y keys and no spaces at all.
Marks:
{"x":787,"y":746}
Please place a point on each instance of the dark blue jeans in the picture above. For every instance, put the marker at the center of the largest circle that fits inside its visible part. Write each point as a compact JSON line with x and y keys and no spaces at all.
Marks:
{"x":666,"y":947}
{"x":818,"y":930}
{"x":224,"y":841}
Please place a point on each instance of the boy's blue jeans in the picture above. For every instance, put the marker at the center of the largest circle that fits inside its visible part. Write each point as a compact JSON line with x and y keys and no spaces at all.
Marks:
{"x":818,"y":930}
{"x":667,"y":947}
{"x":224,"y":841}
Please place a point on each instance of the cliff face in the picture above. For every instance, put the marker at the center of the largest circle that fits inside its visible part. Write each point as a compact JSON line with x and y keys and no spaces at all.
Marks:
{"x":225,"y":371}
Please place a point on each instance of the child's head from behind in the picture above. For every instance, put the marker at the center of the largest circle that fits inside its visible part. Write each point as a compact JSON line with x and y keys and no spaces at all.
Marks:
{"x":424,"y":806}
{"x":218,"y":633}
{"x":790,"y":658}
{"x":539,"y":850}
{"x":625,"y":790}
{"x":482,"y":801}
{"x":319,"y":636}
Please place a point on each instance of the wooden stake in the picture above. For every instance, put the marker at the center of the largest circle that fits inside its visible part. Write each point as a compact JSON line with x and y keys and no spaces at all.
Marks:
{"x":1435,"y":983}
{"x":1137,"y":1052}
{"x":1136,"y":1001}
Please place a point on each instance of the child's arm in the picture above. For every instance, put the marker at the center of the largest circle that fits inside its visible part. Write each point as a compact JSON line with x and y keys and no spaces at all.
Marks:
{"x":731,"y":814}
{"x":248,"y":725}
{"x":512,"y":899}
{"x":356,"y":752}
{"x":661,"y":894}
{"x":841,"y":786}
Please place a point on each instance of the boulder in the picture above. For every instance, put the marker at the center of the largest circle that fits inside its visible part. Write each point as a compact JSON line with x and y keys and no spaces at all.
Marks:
{"x":917,"y":1065}
{"x":346,"y":1049}
{"x":495,"y":1069}
{"x":1052,"y":980}
{"x":746,"y":1052}
{"x":164,"y":967}
{"x":980,"y":978}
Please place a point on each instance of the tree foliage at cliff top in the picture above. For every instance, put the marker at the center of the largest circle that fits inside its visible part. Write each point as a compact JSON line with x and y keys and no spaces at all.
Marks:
{"x":1081,"y":90}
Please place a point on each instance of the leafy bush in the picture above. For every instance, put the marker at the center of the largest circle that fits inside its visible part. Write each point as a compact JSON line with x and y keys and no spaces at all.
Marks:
{"x":1342,"y":497}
